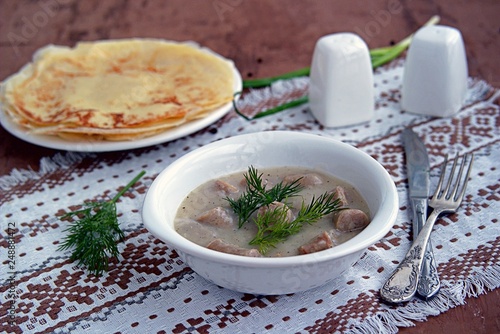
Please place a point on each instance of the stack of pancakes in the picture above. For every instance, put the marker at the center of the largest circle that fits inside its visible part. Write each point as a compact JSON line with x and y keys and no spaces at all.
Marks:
{"x":116,"y":89}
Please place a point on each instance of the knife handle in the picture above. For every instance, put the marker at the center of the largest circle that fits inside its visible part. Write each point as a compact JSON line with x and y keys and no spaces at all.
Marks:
{"x":402,"y":284}
{"x":429,"y":283}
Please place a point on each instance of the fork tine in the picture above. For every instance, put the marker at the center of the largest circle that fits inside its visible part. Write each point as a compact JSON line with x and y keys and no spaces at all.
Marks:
{"x":469,"y":168}
{"x":441,"y":178}
{"x":453,"y":192}
{"x":449,"y":193}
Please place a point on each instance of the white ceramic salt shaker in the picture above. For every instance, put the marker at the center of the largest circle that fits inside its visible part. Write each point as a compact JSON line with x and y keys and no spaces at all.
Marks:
{"x":435,"y":72}
{"x":341,"y":81}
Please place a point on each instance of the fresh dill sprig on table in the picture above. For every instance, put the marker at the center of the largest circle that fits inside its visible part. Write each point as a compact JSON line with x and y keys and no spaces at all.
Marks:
{"x":256,"y":195}
{"x":94,"y":236}
{"x":274,"y":227}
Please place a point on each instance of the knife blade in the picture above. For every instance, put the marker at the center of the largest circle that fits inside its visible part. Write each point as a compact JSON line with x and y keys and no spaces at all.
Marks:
{"x":417,"y":167}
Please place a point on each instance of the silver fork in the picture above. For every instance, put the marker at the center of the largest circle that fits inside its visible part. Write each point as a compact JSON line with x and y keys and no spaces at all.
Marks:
{"x":402,"y":284}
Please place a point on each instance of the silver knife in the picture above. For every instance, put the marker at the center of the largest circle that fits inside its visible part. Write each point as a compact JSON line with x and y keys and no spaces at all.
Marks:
{"x":417,"y":166}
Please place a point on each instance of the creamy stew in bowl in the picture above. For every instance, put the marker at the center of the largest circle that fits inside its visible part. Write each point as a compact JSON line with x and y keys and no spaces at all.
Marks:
{"x":240,"y":214}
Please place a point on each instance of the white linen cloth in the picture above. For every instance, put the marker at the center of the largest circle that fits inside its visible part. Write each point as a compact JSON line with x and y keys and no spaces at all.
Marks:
{"x":150,"y":290}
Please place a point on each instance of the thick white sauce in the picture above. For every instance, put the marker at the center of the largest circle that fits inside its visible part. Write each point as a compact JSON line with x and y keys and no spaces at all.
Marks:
{"x":208,"y":196}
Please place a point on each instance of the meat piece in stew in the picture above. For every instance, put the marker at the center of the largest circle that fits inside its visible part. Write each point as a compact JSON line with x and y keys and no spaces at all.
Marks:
{"x":277,"y":205}
{"x":351,"y":219}
{"x":225,"y":187}
{"x":305,"y":180}
{"x":320,"y":242}
{"x":217,"y":216}
{"x":222,"y":246}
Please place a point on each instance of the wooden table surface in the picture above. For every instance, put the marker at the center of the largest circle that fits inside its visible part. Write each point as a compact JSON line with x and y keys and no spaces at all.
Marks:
{"x":264,"y":38}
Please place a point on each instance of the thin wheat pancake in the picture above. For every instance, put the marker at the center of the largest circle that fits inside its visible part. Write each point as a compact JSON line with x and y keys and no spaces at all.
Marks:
{"x":118,"y":89}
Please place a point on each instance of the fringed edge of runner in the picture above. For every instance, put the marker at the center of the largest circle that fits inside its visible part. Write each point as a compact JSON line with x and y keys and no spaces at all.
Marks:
{"x":47,"y":165}
{"x":450,"y":296}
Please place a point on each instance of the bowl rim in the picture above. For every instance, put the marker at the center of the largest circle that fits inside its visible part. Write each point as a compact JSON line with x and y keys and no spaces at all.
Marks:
{"x":390,"y":205}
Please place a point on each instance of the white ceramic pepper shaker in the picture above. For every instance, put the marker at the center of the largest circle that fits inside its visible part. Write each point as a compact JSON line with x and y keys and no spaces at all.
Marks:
{"x":341,"y":89}
{"x":435,"y":72}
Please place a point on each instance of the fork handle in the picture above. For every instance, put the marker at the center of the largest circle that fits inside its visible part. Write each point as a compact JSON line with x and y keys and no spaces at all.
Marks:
{"x":428,"y":284}
{"x":402,"y":284}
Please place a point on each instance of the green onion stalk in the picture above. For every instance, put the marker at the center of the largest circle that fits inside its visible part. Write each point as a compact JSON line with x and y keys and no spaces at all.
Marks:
{"x":378,"y":56}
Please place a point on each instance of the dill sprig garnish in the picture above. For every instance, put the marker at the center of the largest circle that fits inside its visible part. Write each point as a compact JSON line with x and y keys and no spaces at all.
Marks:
{"x":273,"y":225}
{"x":94,"y":236}
{"x":256,"y":195}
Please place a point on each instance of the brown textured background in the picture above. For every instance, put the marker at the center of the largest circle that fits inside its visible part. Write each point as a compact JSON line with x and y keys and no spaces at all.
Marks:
{"x":264,"y":38}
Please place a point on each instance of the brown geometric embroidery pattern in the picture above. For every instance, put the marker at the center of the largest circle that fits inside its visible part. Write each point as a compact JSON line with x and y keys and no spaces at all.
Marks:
{"x":217,"y":318}
{"x":134,"y":262}
{"x":54,"y":294}
{"x":53,"y":307}
{"x":440,"y":140}
{"x":389,"y":96}
{"x":46,"y":222}
{"x":143,"y":258}
{"x":66,"y":286}
{"x":368,"y":304}
{"x":364,"y":305}
{"x":61,"y":176}
{"x":465,"y":264}
{"x":39,"y":226}
{"x":19,"y":191}
{"x":58,"y":177}
{"x":491,"y":192}
{"x":222,"y":315}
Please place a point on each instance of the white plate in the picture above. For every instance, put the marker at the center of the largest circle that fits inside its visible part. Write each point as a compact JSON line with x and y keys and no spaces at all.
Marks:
{"x":58,"y":143}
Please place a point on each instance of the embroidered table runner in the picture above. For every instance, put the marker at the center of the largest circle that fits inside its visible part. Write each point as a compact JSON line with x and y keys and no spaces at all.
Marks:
{"x":150,"y":290}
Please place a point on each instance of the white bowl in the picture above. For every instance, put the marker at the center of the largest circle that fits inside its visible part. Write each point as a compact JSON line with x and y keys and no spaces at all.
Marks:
{"x":269,"y":276}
